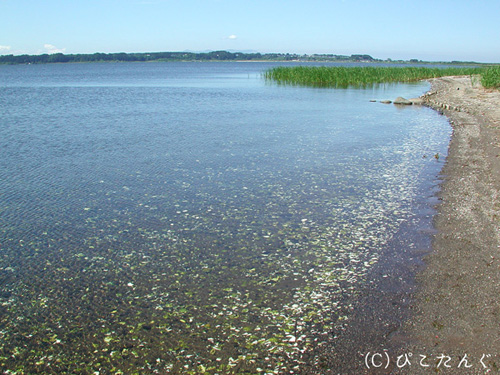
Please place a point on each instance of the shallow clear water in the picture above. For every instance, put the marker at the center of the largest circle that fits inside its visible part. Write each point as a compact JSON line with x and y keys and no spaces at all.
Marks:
{"x":188,"y":216}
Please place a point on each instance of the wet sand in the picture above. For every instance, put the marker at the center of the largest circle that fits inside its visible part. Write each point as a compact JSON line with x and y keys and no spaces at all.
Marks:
{"x":455,"y":324}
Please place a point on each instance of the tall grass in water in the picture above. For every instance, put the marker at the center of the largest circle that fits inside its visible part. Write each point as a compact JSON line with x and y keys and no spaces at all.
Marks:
{"x":358,"y":76}
{"x":490,"y":77}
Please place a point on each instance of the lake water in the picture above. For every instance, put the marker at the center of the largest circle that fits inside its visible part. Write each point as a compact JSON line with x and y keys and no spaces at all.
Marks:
{"x":190,"y":217}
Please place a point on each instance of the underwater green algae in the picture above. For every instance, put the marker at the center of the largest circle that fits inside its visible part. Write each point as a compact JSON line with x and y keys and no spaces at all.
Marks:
{"x":137,"y":239}
{"x":233,"y":286}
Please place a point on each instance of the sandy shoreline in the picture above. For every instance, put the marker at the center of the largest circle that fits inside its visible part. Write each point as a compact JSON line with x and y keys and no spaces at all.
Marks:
{"x":456,"y":309}
{"x":449,"y":321}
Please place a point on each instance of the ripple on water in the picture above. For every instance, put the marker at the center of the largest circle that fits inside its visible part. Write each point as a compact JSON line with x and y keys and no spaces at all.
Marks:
{"x":159,"y":229}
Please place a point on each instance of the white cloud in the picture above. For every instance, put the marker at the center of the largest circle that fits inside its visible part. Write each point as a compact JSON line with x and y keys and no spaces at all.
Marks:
{"x":232,"y":37}
{"x":4,"y":49}
{"x":53,"y":49}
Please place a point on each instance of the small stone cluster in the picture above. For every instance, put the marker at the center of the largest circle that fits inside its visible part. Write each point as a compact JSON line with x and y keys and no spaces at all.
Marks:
{"x":425,"y":99}
{"x":402,"y":101}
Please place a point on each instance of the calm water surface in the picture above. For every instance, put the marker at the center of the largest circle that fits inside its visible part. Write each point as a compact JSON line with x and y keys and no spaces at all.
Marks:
{"x":190,"y":217}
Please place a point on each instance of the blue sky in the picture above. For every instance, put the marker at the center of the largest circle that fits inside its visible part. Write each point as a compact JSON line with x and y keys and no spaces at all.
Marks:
{"x":437,"y":30}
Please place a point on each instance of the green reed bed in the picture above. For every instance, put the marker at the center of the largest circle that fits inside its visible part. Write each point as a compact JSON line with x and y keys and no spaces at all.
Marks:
{"x":490,"y":77}
{"x":323,"y":76}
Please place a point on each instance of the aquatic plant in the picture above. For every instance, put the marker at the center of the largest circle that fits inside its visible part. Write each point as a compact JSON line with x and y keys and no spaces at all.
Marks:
{"x":490,"y":78}
{"x":341,"y":76}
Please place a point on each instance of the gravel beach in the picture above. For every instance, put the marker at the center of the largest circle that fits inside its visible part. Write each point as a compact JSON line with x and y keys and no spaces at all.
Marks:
{"x":455,"y":324}
{"x":448,"y":321}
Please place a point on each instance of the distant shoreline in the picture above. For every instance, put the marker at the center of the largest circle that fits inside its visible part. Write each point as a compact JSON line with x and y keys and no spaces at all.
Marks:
{"x":222,"y":56}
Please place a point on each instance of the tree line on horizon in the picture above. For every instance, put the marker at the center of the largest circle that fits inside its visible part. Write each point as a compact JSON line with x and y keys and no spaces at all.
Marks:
{"x":174,"y":56}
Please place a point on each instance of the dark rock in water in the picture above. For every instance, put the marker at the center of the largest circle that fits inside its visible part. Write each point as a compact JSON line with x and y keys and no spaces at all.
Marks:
{"x":372,"y":100}
{"x":386,"y":101}
{"x":402,"y":101}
